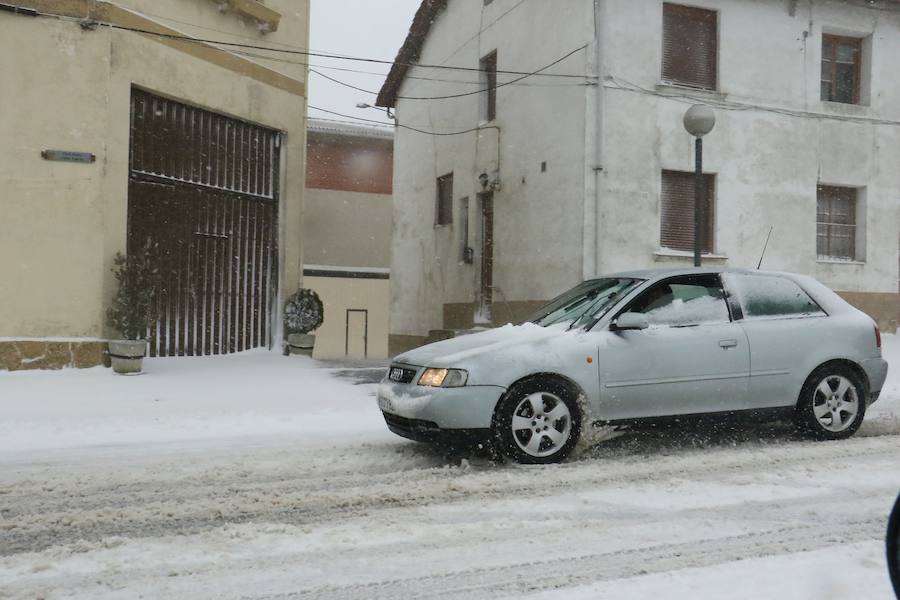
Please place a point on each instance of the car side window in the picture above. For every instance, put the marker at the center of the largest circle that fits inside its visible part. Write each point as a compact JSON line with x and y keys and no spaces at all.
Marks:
{"x":683,"y":301}
{"x":768,"y":296}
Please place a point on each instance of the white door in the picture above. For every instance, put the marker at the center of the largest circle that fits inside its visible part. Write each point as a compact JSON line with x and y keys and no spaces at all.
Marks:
{"x":357,"y":333}
{"x":693,"y":358}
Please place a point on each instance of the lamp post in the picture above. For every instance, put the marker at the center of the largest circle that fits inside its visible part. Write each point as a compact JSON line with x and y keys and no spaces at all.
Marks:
{"x":699,"y":120}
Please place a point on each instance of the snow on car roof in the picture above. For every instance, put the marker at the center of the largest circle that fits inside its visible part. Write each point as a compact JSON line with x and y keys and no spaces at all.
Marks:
{"x":670,"y":271}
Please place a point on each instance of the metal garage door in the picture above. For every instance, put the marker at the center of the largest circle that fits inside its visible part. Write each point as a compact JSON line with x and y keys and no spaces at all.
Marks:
{"x":203,"y":188}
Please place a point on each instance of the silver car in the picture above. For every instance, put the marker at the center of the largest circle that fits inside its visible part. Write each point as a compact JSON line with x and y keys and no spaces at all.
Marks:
{"x":642,"y":346}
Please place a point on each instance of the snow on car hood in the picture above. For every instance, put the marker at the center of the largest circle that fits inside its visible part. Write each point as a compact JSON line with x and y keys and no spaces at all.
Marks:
{"x":452,"y":352}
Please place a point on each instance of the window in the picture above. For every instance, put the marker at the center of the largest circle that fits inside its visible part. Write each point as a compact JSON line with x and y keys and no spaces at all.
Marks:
{"x":764,"y":296}
{"x":583,"y":303}
{"x":444,"y":209}
{"x":836,"y":223}
{"x":488,"y":66}
{"x":841,"y":72}
{"x":465,"y":251}
{"x":677,"y":212}
{"x":690,"y":46}
{"x":683,"y":301}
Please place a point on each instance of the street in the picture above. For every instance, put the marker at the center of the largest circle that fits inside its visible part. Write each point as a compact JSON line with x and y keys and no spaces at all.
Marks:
{"x":369,"y":515}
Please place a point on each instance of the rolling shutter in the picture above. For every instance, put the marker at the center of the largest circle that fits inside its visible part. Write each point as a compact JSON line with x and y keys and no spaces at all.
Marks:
{"x":690,"y":48}
{"x":677,"y":208}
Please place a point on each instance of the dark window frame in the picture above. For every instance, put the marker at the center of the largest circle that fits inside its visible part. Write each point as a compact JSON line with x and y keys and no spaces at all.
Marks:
{"x":678,"y":233}
{"x":736,"y":293}
{"x":488,"y":69}
{"x":676,"y":68}
{"x":830,"y":195}
{"x":837,"y":41}
{"x":696,"y":280}
{"x":443,"y":206}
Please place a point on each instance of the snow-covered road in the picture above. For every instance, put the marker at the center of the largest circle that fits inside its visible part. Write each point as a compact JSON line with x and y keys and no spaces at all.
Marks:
{"x":97,"y":500}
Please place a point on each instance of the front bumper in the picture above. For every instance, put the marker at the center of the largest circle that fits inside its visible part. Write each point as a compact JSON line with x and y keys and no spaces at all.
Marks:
{"x":428,"y":431}
{"x":462,"y":408}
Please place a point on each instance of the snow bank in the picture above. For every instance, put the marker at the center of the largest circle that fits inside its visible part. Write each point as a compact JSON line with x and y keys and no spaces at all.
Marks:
{"x":245,"y":395}
{"x":256,"y":393}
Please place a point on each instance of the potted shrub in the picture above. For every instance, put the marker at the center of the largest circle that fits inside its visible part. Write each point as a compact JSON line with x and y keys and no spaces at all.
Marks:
{"x":129,"y":312}
{"x":303,"y":313}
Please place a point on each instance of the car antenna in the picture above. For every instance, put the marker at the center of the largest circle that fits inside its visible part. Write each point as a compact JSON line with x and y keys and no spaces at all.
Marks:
{"x":766,"y":245}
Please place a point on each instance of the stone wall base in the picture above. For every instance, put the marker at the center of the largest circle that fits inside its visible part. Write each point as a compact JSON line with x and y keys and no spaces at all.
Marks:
{"x":398,"y":344}
{"x":883,"y":307}
{"x":33,"y":355}
{"x":460,"y":315}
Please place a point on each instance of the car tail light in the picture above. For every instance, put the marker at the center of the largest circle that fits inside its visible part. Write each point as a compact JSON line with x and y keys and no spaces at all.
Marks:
{"x":877,"y":338}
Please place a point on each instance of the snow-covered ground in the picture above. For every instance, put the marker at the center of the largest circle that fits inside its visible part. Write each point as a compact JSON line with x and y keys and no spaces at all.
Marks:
{"x":263,"y":476}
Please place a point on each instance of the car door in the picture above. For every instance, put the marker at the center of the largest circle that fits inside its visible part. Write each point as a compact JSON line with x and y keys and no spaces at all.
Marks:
{"x":779,"y":319}
{"x":691,"y":359}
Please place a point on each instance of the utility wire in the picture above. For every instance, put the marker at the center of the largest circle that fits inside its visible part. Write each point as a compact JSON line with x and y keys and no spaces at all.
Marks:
{"x":402,"y":126}
{"x":184,"y":38}
{"x":312,"y":68}
{"x":380,"y":74}
{"x":463,"y":94}
{"x":730,"y":105}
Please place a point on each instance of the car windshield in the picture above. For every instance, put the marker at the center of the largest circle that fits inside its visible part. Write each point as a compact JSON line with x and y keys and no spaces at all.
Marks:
{"x":583,"y":303}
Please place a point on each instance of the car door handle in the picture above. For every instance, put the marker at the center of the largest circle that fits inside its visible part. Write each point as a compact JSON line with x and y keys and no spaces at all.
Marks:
{"x":728,"y":343}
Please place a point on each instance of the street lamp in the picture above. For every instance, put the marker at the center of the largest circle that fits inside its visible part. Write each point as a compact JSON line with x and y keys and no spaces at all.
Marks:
{"x":699,"y":120}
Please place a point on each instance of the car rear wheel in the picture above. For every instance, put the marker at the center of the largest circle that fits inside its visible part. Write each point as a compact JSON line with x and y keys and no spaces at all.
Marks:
{"x":893,"y":547}
{"x":537,"y":422}
{"x":832,"y":403}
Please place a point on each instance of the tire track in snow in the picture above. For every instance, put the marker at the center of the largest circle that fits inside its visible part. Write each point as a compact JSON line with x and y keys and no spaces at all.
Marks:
{"x":33,"y":520}
{"x":591,"y":568}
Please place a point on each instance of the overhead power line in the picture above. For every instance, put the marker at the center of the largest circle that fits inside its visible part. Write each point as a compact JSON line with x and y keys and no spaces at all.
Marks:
{"x":462,"y":94}
{"x":617,"y":83}
{"x":312,"y":67}
{"x":410,"y":128}
{"x":184,"y":38}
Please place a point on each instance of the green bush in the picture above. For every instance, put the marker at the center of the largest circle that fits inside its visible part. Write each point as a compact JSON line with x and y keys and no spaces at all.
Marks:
{"x":303,"y":312}
{"x":129,"y":313}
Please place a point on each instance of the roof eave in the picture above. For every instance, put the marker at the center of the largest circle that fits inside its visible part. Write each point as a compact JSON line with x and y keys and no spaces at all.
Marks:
{"x":409,"y":52}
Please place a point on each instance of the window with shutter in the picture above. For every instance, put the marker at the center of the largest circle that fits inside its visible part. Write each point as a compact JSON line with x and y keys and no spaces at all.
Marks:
{"x":444,"y":205}
{"x":677,"y":212}
{"x":488,"y":70}
{"x":841,"y":62}
{"x":690,"y":46}
{"x":836,"y":223}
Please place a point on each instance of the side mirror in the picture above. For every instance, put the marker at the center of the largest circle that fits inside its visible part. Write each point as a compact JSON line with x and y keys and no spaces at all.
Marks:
{"x":630,"y":321}
{"x":893,"y":547}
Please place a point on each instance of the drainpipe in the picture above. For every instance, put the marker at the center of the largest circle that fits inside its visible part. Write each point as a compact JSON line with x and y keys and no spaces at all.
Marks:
{"x":593,"y":155}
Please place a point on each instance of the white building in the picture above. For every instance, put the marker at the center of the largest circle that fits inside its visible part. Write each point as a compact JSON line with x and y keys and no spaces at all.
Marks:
{"x":585,"y":168}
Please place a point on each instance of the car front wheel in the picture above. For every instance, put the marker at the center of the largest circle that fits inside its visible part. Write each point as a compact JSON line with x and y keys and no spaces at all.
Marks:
{"x":832,"y":403}
{"x":537,"y":422}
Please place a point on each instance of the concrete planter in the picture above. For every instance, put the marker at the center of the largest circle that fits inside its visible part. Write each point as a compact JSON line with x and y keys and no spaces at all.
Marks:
{"x":301,"y":343}
{"x":127,"y":356}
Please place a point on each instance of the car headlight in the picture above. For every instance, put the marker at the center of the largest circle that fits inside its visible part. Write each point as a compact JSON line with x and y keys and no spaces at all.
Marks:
{"x":444,"y":378}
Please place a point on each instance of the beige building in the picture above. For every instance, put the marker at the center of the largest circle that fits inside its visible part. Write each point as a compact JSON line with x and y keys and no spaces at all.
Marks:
{"x":347,"y":236}
{"x":119,"y":126}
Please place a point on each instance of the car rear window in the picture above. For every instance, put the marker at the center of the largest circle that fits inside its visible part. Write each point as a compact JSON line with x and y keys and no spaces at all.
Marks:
{"x":766,"y":296}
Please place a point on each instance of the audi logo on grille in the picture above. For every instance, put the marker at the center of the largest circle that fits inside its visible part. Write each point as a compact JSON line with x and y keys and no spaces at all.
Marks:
{"x":396,"y":374}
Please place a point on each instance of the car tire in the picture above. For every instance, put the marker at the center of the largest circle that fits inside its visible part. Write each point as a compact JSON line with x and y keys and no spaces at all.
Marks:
{"x":893,"y":547}
{"x":832,"y":403}
{"x":537,"y":421}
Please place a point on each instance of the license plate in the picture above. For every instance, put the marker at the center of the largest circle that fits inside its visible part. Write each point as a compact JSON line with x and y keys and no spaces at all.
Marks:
{"x":385,"y":403}
{"x":396,"y":374}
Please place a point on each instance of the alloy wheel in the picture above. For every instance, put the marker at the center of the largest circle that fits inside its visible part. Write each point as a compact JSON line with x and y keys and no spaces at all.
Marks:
{"x":541,"y":424}
{"x":835,"y":403}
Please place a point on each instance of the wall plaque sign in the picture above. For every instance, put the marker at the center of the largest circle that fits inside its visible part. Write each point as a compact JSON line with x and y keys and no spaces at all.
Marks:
{"x":68,"y":156}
